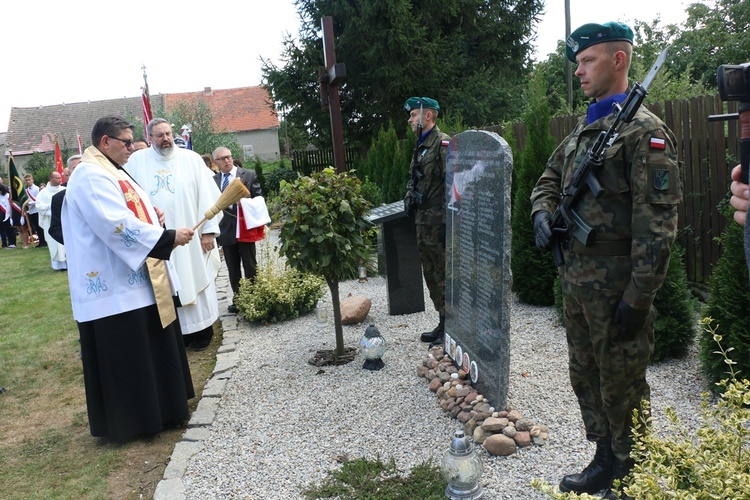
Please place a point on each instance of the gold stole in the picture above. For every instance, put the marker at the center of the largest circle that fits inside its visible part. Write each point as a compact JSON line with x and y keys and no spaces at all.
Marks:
{"x":157,"y":269}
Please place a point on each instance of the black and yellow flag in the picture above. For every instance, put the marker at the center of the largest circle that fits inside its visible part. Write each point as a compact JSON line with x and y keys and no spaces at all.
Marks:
{"x":17,"y":190}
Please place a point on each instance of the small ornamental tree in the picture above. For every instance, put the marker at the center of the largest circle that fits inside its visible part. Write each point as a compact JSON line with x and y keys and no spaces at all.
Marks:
{"x":325,"y":232}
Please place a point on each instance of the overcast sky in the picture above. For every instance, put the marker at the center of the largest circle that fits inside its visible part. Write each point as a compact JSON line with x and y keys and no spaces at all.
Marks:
{"x":80,"y":50}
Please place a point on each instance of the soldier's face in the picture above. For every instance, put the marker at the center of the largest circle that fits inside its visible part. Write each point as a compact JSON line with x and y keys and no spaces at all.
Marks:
{"x":596,"y":71}
{"x":414,"y":119}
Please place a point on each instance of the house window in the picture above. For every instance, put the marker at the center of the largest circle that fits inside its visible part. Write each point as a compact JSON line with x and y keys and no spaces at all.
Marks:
{"x":248,"y":153}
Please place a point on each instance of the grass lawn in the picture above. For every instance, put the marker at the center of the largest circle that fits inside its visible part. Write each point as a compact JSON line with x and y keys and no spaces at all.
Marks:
{"x":46,"y":450}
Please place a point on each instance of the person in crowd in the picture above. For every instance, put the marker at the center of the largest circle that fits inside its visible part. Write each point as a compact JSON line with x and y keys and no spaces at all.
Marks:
{"x":55,"y":226}
{"x":44,"y":206}
{"x":70,"y":165}
{"x":6,"y":220}
{"x":139,"y":144}
{"x":135,"y":369}
{"x":609,"y":286}
{"x":209,"y":161}
{"x":32,"y":191}
{"x":239,"y":256}
{"x":426,"y":197}
{"x":179,"y":184}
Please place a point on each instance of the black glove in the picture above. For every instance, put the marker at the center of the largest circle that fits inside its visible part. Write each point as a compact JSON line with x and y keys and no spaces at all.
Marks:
{"x":630,"y":320}
{"x":410,"y":206}
{"x":542,"y":229}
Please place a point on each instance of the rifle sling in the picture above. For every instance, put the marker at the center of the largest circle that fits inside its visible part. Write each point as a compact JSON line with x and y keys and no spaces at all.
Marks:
{"x":605,"y":248}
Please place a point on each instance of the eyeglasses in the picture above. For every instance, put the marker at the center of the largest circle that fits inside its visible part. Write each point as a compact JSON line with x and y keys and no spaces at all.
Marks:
{"x":127,"y":142}
{"x":224,"y":158}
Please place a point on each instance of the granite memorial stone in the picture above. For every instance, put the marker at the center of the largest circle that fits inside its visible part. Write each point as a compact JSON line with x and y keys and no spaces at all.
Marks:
{"x":397,"y":245}
{"x":478,"y":276}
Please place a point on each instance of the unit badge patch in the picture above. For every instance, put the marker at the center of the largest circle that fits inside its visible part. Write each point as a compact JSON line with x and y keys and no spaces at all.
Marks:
{"x":661,"y":179}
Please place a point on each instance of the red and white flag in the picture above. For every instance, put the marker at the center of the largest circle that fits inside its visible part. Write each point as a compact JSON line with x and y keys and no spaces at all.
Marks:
{"x":146,"y":110}
{"x":80,"y":143}
{"x":657,"y":143}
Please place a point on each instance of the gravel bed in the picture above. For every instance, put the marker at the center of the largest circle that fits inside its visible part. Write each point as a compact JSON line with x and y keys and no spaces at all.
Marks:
{"x":283,"y":423}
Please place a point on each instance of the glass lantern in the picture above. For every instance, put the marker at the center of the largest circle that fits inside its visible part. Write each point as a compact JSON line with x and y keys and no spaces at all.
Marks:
{"x":321,"y":312}
{"x":372,"y":346}
{"x":462,"y":468}
{"x":362,"y":270}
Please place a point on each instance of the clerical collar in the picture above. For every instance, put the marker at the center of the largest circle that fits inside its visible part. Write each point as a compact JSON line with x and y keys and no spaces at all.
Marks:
{"x":424,"y":136}
{"x":600,"y":109}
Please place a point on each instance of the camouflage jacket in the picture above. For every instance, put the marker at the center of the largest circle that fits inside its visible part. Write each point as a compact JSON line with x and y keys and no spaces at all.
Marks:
{"x":431,"y":156}
{"x":642,"y":187}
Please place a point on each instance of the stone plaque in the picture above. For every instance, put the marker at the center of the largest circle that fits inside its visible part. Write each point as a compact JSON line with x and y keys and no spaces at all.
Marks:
{"x":398,"y":258}
{"x":478,"y":277}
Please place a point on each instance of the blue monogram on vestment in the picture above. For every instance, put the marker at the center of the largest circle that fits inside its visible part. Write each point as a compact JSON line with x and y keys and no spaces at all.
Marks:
{"x":95,"y":285}
{"x":129,"y":237}
{"x":137,"y":277}
{"x":163,"y":181}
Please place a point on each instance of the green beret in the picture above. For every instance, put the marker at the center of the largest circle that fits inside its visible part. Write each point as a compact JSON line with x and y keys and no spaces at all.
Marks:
{"x":420,"y":102}
{"x":591,"y":34}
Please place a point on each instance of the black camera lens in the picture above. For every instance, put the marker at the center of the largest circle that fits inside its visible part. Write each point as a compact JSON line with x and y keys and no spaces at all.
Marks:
{"x":734,"y":82}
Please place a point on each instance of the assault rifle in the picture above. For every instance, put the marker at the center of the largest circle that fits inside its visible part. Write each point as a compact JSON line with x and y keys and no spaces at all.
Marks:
{"x":413,"y":198}
{"x":566,"y":220}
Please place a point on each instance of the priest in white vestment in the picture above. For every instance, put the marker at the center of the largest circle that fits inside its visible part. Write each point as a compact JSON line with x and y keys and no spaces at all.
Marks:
{"x":44,"y":208}
{"x":178,"y":182}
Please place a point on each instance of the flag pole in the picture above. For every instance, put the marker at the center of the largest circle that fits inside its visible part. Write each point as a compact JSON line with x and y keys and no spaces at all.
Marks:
{"x":146,"y":101}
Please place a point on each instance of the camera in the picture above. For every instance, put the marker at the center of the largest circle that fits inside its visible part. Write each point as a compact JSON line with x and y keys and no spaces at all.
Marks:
{"x":734,"y":82}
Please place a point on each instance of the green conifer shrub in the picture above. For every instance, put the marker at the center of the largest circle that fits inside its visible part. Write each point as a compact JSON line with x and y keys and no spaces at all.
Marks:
{"x":535,"y":265}
{"x":674,"y":327}
{"x":729,"y":306}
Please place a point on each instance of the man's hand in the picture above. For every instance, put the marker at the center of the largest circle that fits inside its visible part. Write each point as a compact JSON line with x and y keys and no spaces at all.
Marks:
{"x":630,"y":320}
{"x":160,"y":215}
{"x":740,"y":196}
{"x":208,"y":242}
{"x":542,"y":229}
{"x":183,"y":236}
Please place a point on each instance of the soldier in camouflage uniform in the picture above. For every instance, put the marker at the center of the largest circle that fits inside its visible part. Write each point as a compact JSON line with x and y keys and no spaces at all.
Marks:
{"x":425,"y":200}
{"x":609,"y":287}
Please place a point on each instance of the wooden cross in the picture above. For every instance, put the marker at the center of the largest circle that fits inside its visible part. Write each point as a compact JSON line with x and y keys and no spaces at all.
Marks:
{"x":330,"y":76}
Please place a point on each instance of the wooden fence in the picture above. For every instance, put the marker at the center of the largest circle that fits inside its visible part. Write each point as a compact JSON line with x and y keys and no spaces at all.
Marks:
{"x":315,"y":160}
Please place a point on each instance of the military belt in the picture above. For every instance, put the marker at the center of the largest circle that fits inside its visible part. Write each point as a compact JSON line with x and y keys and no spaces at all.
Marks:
{"x":604,"y":248}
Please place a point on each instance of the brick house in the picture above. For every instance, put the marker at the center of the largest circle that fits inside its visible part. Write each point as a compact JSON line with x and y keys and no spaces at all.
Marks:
{"x":247,"y":111}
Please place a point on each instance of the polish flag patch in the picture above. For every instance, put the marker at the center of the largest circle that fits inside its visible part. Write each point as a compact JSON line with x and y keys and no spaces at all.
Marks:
{"x":657,"y":143}
{"x":445,"y":143}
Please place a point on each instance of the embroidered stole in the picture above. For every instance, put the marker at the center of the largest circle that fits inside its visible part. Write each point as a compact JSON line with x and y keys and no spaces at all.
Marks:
{"x":157,"y":269}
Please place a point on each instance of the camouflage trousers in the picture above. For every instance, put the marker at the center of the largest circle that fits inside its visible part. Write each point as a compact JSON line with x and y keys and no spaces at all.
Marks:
{"x":608,"y":374}
{"x":431,"y":245}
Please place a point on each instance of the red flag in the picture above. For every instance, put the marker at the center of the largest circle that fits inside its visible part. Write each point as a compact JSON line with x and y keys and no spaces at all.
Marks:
{"x":58,"y":160}
{"x":146,"y":110}
{"x":80,"y":144}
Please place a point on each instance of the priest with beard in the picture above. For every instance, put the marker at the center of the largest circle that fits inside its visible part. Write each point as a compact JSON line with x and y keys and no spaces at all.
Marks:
{"x":135,"y":370}
{"x":178,"y":182}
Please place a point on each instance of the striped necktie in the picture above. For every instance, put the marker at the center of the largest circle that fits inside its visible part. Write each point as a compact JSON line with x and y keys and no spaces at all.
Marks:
{"x":225,"y":181}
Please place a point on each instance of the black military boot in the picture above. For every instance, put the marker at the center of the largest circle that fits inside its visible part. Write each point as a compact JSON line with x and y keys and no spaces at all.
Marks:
{"x":596,"y":476}
{"x":622,"y":470}
{"x":435,"y":334}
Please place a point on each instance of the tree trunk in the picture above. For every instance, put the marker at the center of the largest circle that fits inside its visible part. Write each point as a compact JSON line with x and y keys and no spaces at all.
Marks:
{"x":333,"y":285}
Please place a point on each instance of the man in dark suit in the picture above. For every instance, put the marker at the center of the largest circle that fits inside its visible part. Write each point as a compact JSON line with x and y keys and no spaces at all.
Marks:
{"x":236,"y":253}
